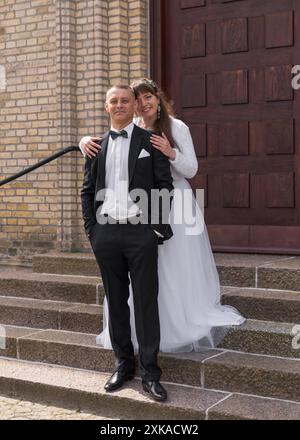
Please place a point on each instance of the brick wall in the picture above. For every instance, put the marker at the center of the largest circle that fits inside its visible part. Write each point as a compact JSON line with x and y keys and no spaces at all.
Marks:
{"x":59,"y":57}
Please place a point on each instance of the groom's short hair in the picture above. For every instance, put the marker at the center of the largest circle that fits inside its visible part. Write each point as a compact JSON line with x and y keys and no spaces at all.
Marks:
{"x":120,"y":86}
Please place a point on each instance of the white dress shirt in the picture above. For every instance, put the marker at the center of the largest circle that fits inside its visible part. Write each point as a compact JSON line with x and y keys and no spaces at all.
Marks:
{"x":117,"y":203}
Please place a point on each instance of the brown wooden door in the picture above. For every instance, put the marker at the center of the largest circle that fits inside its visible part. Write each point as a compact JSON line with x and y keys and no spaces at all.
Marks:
{"x":227,"y":66}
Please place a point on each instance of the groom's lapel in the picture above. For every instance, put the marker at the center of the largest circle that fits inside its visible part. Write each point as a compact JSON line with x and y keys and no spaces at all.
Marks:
{"x":102,"y":160}
{"x":134,"y":151}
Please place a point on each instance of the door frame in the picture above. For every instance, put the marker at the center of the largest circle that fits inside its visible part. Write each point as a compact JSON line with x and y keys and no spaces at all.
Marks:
{"x":157,"y":18}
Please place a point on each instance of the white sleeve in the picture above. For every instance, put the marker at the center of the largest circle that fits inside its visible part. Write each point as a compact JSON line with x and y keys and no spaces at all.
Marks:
{"x":185,"y":162}
{"x":82,"y":140}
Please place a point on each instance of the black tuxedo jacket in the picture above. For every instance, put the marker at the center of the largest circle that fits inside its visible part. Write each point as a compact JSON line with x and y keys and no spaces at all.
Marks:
{"x":152,"y":172}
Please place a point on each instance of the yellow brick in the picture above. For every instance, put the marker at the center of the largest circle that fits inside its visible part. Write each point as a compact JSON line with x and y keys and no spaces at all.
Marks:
{"x":22,"y":207}
{"x":42,"y":10}
{"x":32,"y":221}
{"x":31,"y":229}
{"x":21,"y":214}
{"x":12,"y":221}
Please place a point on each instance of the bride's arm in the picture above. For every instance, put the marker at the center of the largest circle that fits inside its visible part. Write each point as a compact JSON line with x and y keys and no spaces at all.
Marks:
{"x":185,"y":162}
{"x":88,"y":146}
{"x":82,"y":143}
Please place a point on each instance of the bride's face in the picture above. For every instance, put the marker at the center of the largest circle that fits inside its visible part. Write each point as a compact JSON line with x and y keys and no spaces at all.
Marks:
{"x":147,"y":105}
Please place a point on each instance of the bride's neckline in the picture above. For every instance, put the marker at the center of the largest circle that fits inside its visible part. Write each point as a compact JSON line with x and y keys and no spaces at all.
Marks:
{"x":141,"y":124}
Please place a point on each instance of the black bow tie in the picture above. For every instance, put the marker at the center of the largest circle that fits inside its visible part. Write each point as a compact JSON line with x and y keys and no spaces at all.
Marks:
{"x":115,"y":134}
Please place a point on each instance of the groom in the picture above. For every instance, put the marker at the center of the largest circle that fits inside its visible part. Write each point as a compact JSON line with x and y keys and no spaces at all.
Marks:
{"x":125,"y":240}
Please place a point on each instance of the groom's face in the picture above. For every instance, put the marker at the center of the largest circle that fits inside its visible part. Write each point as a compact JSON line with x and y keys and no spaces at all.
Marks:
{"x":120,"y":105}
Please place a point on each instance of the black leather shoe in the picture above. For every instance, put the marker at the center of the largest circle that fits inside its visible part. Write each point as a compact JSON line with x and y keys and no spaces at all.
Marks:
{"x":117,"y":380}
{"x":155,"y":389}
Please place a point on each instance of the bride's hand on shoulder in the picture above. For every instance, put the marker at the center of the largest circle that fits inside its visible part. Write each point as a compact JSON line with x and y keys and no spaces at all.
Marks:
{"x":89,"y":145}
{"x":162,"y":144}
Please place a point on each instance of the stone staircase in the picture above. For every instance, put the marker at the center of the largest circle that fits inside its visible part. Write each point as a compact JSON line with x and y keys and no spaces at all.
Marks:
{"x":52,"y":312}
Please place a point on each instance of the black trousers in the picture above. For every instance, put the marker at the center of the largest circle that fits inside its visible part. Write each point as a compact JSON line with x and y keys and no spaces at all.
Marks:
{"x":121,"y":249}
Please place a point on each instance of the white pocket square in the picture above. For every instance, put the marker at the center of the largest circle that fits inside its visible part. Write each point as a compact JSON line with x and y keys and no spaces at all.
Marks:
{"x":143,"y":154}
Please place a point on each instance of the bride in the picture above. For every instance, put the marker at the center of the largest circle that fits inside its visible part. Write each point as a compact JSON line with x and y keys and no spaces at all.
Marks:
{"x":191,"y":316}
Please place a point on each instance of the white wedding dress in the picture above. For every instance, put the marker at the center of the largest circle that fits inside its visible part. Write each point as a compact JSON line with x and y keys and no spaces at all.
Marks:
{"x":191,"y":316}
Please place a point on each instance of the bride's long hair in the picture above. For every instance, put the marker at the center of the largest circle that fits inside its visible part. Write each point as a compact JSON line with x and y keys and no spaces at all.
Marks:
{"x":162,"y":123}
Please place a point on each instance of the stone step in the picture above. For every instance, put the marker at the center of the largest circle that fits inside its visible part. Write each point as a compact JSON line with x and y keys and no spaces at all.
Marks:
{"x":254,"y":336}
{"x":265,"y":337}
{"x":241,"y":407}
{"x":57,"y":315}
{"x":264,"y":304}
{"x":54,"y":287}
{"x":240,"y":270}
{"x":83,"y":390}
{"x":268,"y":376}
{"x":78,"y":389}
{"x":66,"y":263}
{"x":259,"y":271}
{"x":87,"y":318}
{"x":246,"y":373}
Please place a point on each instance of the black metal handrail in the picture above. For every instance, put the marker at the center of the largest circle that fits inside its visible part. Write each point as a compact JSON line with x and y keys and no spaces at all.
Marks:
{"x":39,"y":164}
